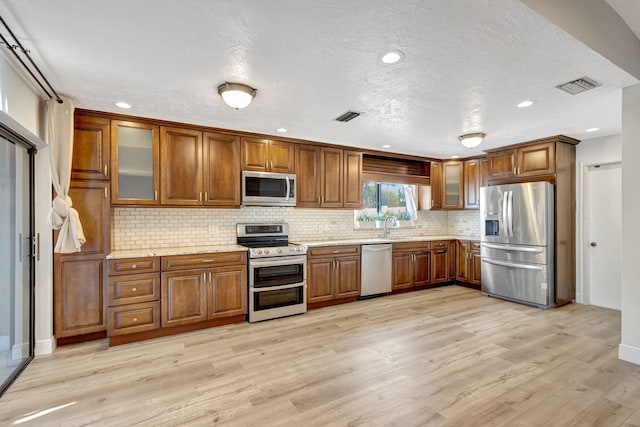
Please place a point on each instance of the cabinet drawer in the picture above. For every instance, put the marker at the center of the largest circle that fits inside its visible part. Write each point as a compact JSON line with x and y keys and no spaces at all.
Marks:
{"x":334,"y":250}
{"x":439,"y":244}
{"x":133,"y":265}
{"x":183,"y":262}
{"x":411,"y":246}
{"x":129,"y":319}
{"x":134,"y":288}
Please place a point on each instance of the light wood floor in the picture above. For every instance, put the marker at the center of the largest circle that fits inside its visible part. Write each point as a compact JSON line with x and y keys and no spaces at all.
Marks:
{"x":445,"y":356}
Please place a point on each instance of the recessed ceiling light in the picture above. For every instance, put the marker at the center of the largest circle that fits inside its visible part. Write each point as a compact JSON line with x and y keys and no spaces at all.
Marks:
{"x":592,"y":130}
{"x":525,"y":104}
{"x":386,"y":146}
{"x":392,"y":56}
{"x":455,"y":157}
{"x":281,"y":130}
{"x":123,"y":105}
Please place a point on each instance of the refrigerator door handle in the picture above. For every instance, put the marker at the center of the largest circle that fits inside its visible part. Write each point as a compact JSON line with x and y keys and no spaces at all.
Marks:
{"x":510,"y":214}
{"x":513,"y":265}
{"x":512,"y":248}
{"x":505,"y":203}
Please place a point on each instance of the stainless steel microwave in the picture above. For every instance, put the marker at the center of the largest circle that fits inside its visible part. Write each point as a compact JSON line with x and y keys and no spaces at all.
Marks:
{"x":268,"y":189}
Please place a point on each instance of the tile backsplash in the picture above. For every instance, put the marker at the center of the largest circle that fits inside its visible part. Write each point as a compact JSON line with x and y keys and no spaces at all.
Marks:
{"x":144,"y":228}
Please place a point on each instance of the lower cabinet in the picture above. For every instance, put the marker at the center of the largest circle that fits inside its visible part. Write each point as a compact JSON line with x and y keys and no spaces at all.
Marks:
{"x":333,"y":273}
{"x":443,"y":267}
{"x":79,"y":304}
{"x":468,"y":267}
{"x":411,"y":265}
{"x":199,"y":294}
{"x":154,"y":295}
{"x":133,"y":295}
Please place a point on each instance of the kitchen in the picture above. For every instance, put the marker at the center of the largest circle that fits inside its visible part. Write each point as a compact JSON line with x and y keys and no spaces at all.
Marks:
{"x":308,"y":223}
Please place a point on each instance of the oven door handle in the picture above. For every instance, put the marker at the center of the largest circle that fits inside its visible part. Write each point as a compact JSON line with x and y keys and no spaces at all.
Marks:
{"x":285,"y":260}
{"x":279,"y":288}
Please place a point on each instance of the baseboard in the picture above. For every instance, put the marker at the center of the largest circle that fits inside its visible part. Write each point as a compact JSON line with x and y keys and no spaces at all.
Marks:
{"x":629,"y":353}
{"x":20,"y":351}
{"x":44,"y":347}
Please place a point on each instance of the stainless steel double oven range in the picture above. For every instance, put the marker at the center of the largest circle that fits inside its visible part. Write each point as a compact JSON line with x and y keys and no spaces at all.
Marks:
{"x":277,"y":271}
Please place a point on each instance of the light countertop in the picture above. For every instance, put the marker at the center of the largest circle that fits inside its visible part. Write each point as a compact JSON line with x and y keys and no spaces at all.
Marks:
{"x":388,"y":240}
{"x":183,"y":250}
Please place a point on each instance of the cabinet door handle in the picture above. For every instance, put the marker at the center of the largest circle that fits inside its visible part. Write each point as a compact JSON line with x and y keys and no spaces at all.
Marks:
{"x":433,"y":202}
{"x":271,"y":164}
{"x":210,"y":277}
{"x":206,"y":196}
{"x":200,"y":196}
{"x":106,"y":193}
{"x":207,"y":260}
{"x":106,"y":170}
{"x":134,"y":289}
{"x":155,"y":194}
{"x":514,"y":170}
{"x":266,"y":165}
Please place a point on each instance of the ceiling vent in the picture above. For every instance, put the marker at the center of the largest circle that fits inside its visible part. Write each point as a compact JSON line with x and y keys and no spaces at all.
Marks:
{"x":577,"y":86}
{"x":349,"y":115}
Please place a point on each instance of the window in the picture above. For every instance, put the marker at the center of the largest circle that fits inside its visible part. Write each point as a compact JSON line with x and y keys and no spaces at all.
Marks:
{"x":381,"y":200}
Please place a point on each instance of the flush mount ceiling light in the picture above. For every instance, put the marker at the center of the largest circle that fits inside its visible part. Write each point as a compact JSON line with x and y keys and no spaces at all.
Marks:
{"x":592,"y":130}
{"x":281,"y":130}
{"x":122,"y":104}
{"x":392,"y":56}
{"x":471,"y":140}
{"x":386,"y":146}
{"x":236,"y":95}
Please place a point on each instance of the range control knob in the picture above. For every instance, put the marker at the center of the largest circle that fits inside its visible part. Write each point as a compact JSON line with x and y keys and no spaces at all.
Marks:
{"x":266,"y":251}
{"x":279,"y":250}
{"x":294,"y":249}
{"x":258,"y":251}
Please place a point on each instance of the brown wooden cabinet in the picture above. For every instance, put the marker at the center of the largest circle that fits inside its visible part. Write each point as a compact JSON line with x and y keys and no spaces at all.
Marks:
{"x":133,"y":295}
{"x":436,"y":185}
{"x":442,"y":261}
{"x":333,"y":273}
{"x":181,"y":171}
{"x":328,"y":177}
{"x":199,"y":169}
{"x":191,"y":295}
{"x":452,"y":185}
{"x":79,"y":305}
{"x":91,"y":148}
{"x":267,"y":155}
{"x":221,"y":160}
{"x":472,"y":183}
{"x":522,"y":162}
{"x":135,"y":163}
{"x":411,"y":264}
{"x":468,"y":267}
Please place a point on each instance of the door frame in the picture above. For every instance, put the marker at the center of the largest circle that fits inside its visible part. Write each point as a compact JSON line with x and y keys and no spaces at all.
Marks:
{"x":582,"y":237}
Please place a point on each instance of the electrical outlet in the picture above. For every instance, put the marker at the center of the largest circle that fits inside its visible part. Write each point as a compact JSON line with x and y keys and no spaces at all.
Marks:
{"x":213,"y":229}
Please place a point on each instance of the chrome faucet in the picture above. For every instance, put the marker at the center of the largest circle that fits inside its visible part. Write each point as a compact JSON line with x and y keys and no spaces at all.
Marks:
{"x":394,"y":223}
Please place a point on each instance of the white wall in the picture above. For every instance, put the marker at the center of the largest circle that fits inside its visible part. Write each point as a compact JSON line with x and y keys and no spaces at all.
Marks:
{"x":19,"y":100}
{"x":607,"y":149}
{"x":630,"y":347}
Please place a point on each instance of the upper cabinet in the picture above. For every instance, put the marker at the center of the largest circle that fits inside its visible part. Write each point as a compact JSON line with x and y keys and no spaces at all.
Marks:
{"x":328,"y":177}
{"x":199,"y":169}
{"x":267,"y":155}
{"x":181,"y":166}
{"x":135,"y":157}
{"x":474,"y":178}
{"x":91,"y":148}
{"x":522,"y":162}
{"x":452,"y":185}
{"x":436,"y":185}
{"x":221,"y":159}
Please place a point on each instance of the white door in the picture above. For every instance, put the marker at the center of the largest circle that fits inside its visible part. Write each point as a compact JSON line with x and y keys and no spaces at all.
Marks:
{"x":604,"y":235}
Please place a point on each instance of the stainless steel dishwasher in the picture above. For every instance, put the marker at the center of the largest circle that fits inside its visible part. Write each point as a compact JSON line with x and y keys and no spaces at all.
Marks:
{"x":375,"y":275}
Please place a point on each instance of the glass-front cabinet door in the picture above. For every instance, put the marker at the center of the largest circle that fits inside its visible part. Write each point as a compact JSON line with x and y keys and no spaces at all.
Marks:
{"x":135,"y":159}
{"x":452,"y":185}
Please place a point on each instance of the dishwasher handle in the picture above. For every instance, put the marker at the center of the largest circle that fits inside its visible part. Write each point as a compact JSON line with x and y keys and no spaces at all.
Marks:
{"x":369,"y":248}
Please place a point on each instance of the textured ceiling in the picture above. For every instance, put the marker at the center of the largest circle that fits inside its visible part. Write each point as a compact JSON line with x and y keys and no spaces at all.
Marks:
{"x":468,"y":62}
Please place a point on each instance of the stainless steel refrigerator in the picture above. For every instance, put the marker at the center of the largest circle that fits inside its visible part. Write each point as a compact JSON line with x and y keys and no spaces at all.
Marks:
{"x":517,"y":242}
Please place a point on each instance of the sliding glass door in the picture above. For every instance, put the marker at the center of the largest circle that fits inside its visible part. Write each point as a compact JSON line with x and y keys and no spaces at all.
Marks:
{"x":16,"y":262}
